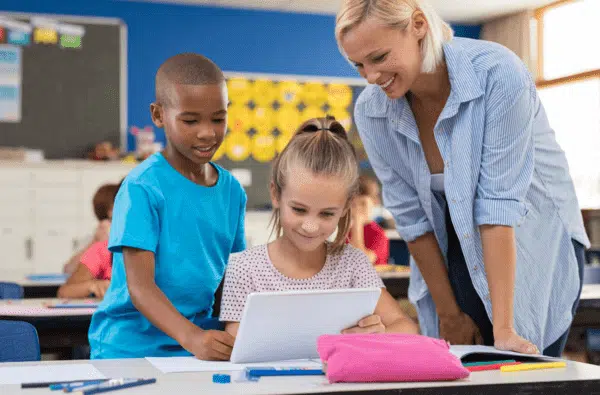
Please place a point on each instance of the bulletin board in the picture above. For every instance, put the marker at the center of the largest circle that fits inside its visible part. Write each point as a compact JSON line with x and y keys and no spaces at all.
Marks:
{"x":262,"y":116}
{"x":66,"y":88}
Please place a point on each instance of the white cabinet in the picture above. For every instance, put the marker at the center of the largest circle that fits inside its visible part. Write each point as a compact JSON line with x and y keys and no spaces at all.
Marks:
{"x":46,"y":212}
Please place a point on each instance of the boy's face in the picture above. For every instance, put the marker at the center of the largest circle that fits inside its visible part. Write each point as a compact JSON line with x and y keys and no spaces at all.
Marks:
{"x":195,"y":120}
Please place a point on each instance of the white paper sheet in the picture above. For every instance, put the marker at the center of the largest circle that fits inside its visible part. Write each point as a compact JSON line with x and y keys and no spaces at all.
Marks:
{"x":191,"y":364}
{"x":48,"y":373}
{"x":463,"y":351}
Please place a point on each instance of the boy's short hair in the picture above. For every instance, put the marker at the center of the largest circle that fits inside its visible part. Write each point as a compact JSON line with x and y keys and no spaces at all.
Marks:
{"x":104,"y":200}
{"x":185,"y":69}
{"x":367,"y":186}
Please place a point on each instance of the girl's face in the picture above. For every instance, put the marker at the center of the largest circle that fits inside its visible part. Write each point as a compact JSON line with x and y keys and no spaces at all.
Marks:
{"x":310,"y":207}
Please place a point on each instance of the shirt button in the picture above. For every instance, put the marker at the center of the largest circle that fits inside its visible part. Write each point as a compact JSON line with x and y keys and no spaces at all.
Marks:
{"x":466,"y":235}
{"x":487,"y":297}
{"x":453,"y":200}
{"x":448,"y":163}
{"x":475,"y":268}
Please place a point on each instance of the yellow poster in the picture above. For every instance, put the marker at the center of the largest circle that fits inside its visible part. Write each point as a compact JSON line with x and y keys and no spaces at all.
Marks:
{"x":342,"y":116}
{"x":314,"y":94}
{"x":282,"y":140}
{"x":263,"y":120}
{"x":264,"y":93}
{"x":289,"y":93}
{"x":238,"y":146}
{"x":287,"y":119}
{"x":339,"y":95}
{"x":239,"y":118}
{"x":221,"y":151}
{"x":312,"y":112}
{"x":263,"y":147}
{"x":240,"y":90}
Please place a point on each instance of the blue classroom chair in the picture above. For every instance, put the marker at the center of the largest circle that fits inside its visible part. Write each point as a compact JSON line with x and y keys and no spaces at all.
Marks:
{"x":18,"y":342}
{"x":10,"y":291}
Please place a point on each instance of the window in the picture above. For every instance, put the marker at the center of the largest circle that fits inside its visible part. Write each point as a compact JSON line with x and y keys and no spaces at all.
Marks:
{"x":569,"y":87}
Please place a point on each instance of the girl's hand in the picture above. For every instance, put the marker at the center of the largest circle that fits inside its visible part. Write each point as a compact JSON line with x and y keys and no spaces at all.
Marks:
{"x":369,"y":324}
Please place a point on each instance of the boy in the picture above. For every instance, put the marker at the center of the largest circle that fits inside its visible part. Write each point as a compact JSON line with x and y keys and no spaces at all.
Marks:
{"x":177,"y":217}
{"x":366,"y":234}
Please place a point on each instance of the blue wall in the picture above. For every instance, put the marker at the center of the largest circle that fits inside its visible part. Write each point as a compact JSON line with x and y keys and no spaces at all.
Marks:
{"x":237,"y":40}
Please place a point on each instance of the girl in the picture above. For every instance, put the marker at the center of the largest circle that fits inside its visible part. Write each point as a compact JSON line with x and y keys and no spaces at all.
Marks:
{"x":366,"y":234}
{"x":313,"y":183}
{"x":91,"y":275}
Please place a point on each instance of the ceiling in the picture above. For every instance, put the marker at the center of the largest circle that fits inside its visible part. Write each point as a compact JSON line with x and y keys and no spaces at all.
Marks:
{"x":456,"y":11}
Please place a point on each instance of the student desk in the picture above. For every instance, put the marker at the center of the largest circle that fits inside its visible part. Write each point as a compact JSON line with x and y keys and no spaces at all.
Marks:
{"x":40,"y":288}
{"x":576,"y":378}
{"x":58,"y":328}
{"x":396,"y":283}
{"x":44,"y":286}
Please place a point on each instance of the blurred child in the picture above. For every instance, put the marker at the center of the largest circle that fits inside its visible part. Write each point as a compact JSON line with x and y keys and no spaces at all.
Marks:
{"x":313,"y":182}
{"x":102,"y":202}
{"x":365,"y":234}
{"x":92,"y":275}
{"x":177,"y":217}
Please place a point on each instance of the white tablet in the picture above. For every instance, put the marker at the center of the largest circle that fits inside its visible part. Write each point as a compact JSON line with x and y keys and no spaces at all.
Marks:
{"x":279,"y":326}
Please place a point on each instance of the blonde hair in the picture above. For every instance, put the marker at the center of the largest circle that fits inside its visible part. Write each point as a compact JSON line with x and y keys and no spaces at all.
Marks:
{"x":321,"y":146}
{"x":398,"y":14}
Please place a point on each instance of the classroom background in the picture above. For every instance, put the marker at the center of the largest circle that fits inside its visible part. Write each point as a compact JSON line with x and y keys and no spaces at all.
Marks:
{"x":76,"y":84}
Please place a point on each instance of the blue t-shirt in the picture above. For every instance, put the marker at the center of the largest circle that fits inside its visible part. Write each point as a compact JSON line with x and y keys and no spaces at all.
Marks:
{"x":191,"y":229}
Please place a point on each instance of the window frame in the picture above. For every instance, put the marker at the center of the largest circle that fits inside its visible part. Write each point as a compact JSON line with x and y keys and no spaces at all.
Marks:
{"x":541,"y":81}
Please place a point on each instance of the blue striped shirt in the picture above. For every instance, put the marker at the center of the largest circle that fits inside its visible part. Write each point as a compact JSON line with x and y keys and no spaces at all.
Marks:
{"x":502,"y":166}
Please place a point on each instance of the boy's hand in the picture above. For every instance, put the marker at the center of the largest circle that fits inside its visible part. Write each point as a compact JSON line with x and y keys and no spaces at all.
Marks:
{"x":98,"y":288}
{"x":210,"y":345}
{"x":369,"y":324}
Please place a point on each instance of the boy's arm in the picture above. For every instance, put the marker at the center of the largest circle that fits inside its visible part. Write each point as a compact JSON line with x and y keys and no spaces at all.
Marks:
{"x":156,"y":307}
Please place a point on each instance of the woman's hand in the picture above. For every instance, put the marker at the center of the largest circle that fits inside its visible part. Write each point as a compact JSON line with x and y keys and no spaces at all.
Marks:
{"x":459,"y":329}
{"x":509,"y":340}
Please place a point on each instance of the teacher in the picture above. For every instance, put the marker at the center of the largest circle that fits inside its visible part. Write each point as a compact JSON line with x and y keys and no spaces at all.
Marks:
{"x":472,"y":173}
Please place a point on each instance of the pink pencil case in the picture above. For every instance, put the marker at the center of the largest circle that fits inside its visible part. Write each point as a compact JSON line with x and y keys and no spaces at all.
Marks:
{"x":388,"y":357}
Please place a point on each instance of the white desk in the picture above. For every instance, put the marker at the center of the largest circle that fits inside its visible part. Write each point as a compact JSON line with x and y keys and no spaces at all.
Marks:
{"x":43,"y":288}
{"x":576,"y":378}
{"x":590,"y":292}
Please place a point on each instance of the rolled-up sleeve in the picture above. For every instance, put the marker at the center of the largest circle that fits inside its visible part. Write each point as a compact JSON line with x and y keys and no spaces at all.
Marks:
{"x":507,"y":162}
{"x":399,"y":195}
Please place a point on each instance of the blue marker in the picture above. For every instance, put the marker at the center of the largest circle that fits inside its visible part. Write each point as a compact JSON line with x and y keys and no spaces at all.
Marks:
{"x":77,"y":384}
{"x":254,"y":374}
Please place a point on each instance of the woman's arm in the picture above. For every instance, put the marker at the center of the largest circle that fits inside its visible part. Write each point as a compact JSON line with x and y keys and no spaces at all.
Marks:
{"x":426,"y":253}
{"x":499,"y":257}
{"x":454,"y":325}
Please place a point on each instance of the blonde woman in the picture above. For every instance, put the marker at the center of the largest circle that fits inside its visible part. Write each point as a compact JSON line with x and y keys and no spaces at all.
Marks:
{"x":472,"y":172}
